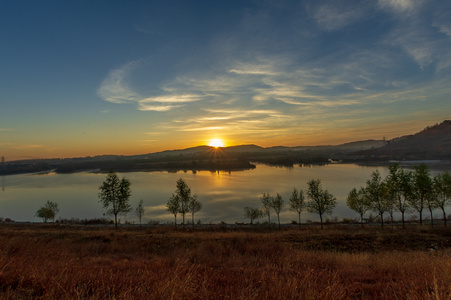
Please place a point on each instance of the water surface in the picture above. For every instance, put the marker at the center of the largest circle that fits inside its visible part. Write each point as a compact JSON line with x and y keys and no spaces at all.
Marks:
{"x":224,"y":195}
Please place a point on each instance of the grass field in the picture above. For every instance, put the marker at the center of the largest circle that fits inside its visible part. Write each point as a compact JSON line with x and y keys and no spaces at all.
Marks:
{"x":76,"y":262}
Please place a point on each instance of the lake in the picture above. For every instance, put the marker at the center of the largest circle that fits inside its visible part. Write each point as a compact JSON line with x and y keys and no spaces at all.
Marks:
{"x":224,"y":195}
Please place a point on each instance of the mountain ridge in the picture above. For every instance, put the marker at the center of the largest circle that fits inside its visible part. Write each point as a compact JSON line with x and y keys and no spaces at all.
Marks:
{"x":433,"y":142}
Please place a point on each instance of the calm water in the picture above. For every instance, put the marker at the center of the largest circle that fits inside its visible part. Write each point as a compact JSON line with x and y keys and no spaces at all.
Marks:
{"x":224,"y":195}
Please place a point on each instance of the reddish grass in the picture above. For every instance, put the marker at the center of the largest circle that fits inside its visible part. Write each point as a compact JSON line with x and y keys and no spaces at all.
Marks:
{"x":45,"y":262}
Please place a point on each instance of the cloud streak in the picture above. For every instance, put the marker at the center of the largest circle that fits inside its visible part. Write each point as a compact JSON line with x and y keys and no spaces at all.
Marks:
{"x":116,"y":89}
{"x":338,"y":14}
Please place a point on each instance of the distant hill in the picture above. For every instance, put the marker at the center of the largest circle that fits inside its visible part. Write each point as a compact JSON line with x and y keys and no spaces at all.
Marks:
{"x":433,"y":142}
{"x":361,"y":145}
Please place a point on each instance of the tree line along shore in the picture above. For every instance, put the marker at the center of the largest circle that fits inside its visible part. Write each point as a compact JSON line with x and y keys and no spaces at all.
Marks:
{"x":403,"y":191}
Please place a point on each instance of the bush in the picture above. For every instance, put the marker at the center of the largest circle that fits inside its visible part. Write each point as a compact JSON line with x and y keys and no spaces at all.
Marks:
{"x":6,"y":220}
{"x":349,"y":221}
{"x":78,"y":221}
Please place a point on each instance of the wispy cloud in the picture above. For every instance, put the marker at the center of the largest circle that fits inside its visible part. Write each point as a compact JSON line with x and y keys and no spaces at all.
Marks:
{"x":200,"y":128}
{"x":22,"y":147}
{"x":160,"y":108}
{"x":115,"y":89}
{"x":172,"y":99}
{"x":401,"y":7}
{"x":262,"y":66}
{"x":422,"y":38}
{"x":336,"y":15}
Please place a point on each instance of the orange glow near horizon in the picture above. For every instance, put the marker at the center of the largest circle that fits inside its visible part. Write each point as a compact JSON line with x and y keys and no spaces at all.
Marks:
{"x":70,"y":146}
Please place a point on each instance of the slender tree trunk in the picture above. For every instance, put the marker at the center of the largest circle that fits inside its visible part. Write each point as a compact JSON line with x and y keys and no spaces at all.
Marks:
{"x":421,"y":212}
{"x":382,"y":220}
{"x":115,"y":220}
{"x":321,"y":220}
{"x":403,"y":221}
{"x":444,"y":216}
{"x":361,"y":220}
{"x":432,"y":217}
{"x":299,"y":215}
{"x":193,"y":219}
{"x":278,"y":220}
{"x":175,"y":221}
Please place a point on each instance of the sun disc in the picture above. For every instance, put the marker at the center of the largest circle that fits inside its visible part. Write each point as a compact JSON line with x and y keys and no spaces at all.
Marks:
{"x":216,"y":143}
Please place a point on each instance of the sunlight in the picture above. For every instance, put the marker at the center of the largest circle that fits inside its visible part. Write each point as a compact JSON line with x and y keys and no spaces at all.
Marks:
{"x":216,"y":143}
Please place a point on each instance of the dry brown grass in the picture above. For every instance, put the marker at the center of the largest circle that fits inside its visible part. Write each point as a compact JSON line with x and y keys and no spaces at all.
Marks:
{"x":162,"y":263}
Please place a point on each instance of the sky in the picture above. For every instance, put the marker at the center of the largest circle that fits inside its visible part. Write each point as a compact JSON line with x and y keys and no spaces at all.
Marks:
{"x":85,"y":78}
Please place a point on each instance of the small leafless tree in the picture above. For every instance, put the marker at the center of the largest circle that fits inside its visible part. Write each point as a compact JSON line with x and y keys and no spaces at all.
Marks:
{"x":252,"y":213}
{"x":267,"y":206}
{"x":173,"y":206}
{"x":375,"y":193}
{"x":358,"y":202}
{"x":114,"y":195}
{"x":422,"y":186}
{"x":277,"y":204}
{"x":442,"y":187}
{"x":320,"y":201}
{"x":140,"y":211}
{"x":297,"y":203}
{"x":194,"y":206}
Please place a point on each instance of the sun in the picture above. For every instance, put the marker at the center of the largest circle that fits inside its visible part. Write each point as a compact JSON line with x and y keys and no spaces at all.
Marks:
{"x":216,"y":143}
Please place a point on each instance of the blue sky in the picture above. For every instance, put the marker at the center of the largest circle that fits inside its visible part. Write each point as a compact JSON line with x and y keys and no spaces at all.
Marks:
{"x":82,"y":78}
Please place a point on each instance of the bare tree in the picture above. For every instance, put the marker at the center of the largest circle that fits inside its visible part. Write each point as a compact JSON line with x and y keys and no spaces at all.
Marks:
{"x":297,"y":203}
{"x":277,"y":204}
{"x":267,"y":206}
{"x":374,"y":192}
{"x":194,"y":206}
{"x":252,"y":213}
{"x":422,"y":186}
{"x":358,"y":202}
{"x":173,"y":206}
{"x":140,"y":211}
{"x":389,"y":200}
{"x":399,"y":183}
{"x":442,"y":187}
{"x":431,"y":203}
{"x":320,"y":201}
{"x":114,"y":195}
{"x":183,"y":193}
